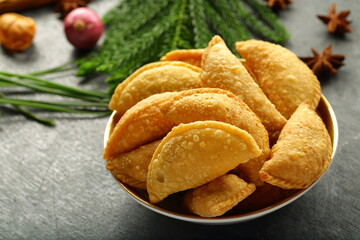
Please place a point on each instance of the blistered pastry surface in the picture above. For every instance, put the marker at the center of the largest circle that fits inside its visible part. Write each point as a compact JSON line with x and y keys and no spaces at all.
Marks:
{"x":218,"y":196}
{"x":132,"y":167}
{"x":191,"y":56}
{"x":284,"y":78}
{"x":222,"y":69}
{"x":154,"y":78}
{"x":302,"y":153}
{"x":196,"y":153}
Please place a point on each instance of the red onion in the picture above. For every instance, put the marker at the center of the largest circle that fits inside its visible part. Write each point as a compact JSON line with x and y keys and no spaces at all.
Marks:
{"x":83,"y":28}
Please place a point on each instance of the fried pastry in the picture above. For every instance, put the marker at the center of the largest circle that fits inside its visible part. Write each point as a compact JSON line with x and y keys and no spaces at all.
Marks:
{"x":191,"y":56}
{"x":192,"y":155}
{"x":283,"y":77}
{"x":263,"y":197}
{"x":153,"y":117}
{"x":221,"y":69}
{"x":219,"y":196}
{"x":132,"y":167}
{"x":302,"y":153}
{"x":223,"y":106}
{"x":154,"y":78}
{"x":141,"y":124}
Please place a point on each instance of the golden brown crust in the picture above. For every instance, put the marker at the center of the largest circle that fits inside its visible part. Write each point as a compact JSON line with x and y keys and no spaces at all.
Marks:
{"x":154,"y":78}
{"x":153,"y":117}
{"x":141,"y":124}
{"x":190,"y":156}
{"x":218,"y":196}
{"x":284,"y":78}
{"x":302,"y":153}
{"x":211,"y":138}
{"x":123,"y":178}
{"x":220,"y":105}
{"x":221,"y":69}
{"x":191,"y":56}
{"x":263,"y":197}
{"x":132,"y":167}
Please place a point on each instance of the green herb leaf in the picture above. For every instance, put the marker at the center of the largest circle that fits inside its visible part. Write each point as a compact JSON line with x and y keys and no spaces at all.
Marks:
{"x":140,"y":32}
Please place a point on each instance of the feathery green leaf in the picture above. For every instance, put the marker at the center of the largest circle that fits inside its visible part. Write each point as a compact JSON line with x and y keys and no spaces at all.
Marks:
{"x":139,"y":32}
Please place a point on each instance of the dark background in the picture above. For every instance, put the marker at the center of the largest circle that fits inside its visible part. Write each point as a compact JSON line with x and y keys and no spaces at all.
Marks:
{"x":53,"y":183}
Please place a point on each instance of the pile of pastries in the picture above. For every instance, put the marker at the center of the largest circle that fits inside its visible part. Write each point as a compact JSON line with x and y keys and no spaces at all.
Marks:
{"x":225,"y":132}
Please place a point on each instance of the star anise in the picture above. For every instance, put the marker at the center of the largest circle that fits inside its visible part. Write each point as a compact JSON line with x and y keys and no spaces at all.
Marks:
{"x":326,"y":63}
{"x":66,"y":6}
{"x":336,"y":22}
{"x":278,"y":4}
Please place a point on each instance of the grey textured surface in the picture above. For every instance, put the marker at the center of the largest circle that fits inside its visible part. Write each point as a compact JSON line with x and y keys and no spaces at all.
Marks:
{"x":54,"y":185}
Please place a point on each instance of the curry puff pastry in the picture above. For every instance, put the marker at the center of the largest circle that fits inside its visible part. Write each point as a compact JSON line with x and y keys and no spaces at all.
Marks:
{"x":153,"y":117}
{"x":223,"y":106}
{"x":190,"y":156}
{"x":219,"y":196}
{"x":154,"y":78}
{"x":191,"y":56}
{"x":202,"y":122}
{"x":222,"y":69}
{"x":284,"y":78}
{"x":302,"y":153}
{"x":132,"y":167}
{"x":141,"y":124}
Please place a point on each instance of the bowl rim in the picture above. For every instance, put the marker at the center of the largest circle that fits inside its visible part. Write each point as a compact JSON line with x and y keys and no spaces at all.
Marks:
{"x":334,"y":134}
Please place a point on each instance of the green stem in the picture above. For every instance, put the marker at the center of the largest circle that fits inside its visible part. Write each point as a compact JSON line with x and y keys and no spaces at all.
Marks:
{"x":48,"y":90}
{"x":57,"y":86}
{"x":30,"y":115}
{"x":5,"y":84}
{"x":67,"y":104}
{"x":48,"y":106}
{"x":61,"y":68}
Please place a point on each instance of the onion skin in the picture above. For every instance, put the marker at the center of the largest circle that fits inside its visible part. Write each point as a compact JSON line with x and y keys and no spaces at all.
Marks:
{"x":83,"y":28}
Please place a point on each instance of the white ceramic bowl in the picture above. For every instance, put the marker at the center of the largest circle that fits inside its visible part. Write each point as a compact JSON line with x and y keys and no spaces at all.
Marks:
{"x":171,"y":206}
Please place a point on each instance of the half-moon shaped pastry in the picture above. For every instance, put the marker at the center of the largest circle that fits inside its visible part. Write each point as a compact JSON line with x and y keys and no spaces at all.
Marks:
{"x":191,"y":56}
{"x":283,"y":77}
{"x":219,"y":196}
{"x":220,"y":105}
{"x":302,"y":153}
{"x":154,"y":78}
{"x":222,"y":69}
{"x":132,"y":167}
{"x":196,"y":153}
{"x":141,"y":124}
{"x":153,"y":117}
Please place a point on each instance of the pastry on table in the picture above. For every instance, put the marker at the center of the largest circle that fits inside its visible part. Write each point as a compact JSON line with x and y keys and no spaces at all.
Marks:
{"x":284,"y":78}
{"x":153,"y":117}
{"x":141,"y":124}
{"x":223,"y":106}
{"x":191,"y":56}
{"x":190,"y":156}
{"x":218,"y":196}
{"x":132,"y":167}
{"x":302,"y":153}
{"x":154,"y":78}
{"x":220,"y":68}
